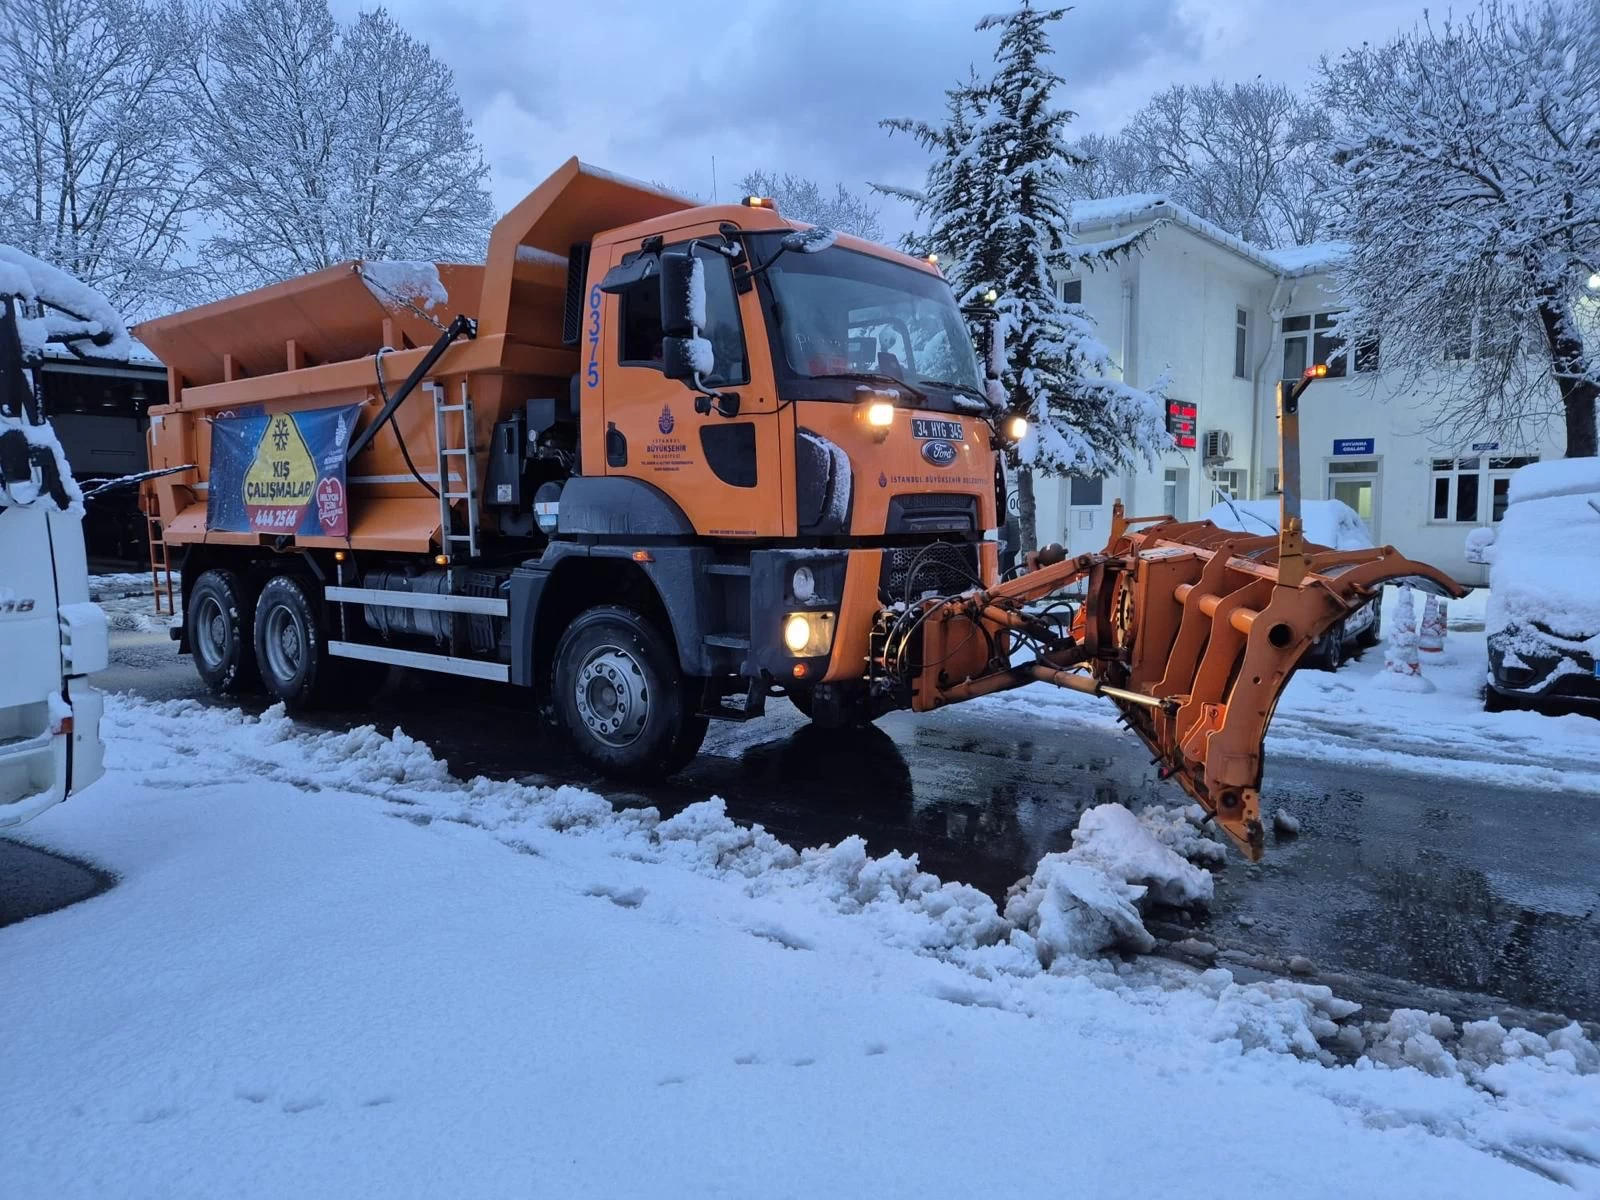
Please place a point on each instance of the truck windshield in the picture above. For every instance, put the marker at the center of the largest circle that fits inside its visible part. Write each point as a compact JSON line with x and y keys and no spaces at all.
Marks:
{"x":841,"y":313}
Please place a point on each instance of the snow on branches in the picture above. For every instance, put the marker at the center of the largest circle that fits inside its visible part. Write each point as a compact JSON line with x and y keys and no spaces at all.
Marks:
{"x":997,"y":204}
{"x":1469,"y":191}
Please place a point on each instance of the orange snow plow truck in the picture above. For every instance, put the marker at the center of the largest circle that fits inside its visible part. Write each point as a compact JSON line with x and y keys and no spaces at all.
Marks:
{"x":659,"y":463}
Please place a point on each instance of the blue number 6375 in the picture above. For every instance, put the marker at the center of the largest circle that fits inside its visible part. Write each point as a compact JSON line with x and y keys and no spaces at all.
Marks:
{"x":592,"y":374}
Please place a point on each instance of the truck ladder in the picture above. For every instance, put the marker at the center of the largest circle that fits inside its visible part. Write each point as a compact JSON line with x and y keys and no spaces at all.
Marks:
{"x":160,"y":566}
{"x":449,"y":539}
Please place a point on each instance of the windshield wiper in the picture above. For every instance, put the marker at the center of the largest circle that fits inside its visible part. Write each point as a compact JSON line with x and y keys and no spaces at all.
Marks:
{"x":961,"y":388}
{"x":880,"y":378}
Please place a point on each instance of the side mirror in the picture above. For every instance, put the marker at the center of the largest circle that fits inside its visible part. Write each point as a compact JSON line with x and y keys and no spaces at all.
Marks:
{"x":808,"y":241}
{"x":683,"y":294}
{"x":686,"y":358}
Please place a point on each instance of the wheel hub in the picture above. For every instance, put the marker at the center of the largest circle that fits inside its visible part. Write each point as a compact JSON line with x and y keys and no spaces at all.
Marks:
{"x":283,"y":643}
{"x":611,"y":696}
{"x":210,"y":631}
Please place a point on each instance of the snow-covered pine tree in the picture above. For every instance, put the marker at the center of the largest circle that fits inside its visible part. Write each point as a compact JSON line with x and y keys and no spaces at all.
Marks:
{"x":1083,"y":419}
{"x":1469,"y":191}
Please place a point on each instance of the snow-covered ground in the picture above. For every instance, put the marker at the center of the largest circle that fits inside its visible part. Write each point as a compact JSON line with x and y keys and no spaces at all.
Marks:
{"x":329,"y":968}
{"x":1348,"y":716}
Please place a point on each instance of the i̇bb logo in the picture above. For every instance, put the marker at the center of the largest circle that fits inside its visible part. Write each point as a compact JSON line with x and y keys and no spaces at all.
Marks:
{"x":330,"y":502}
{"x":665,"y":422}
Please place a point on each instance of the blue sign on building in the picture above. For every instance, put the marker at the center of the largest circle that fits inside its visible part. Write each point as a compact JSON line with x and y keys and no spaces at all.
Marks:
{"x":1354,"y":445}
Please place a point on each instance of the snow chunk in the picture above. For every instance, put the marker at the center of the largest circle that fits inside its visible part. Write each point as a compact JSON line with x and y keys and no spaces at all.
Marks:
{"x":401,"y":284}
{"x":696,"y":298}
{"x":1109,"y":838}
{"x":1070,"y":908}
{"x":1114,"y":210}
{"x":1178,"y":827}
{"x":1413,"y":1038}
{"x":1285,"y":823}
{"x":1280,"y":1016}
{"x":542,"y":258}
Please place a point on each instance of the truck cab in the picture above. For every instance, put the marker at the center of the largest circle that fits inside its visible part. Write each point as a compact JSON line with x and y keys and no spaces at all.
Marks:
{"x":51,"y":636}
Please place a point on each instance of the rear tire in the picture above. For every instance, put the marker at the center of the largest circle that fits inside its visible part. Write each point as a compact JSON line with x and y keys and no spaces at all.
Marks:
{"x":219,"y":625}
{"x":621,"y":698}
{"x":291,"y":644}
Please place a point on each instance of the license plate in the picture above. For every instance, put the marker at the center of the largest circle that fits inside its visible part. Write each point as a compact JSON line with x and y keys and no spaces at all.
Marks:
{"x":949,"y":431}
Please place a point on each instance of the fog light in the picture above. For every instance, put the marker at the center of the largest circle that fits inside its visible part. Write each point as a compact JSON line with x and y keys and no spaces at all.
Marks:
{"x":797,"y":632}
{"x":1017,"y":428}
{"x":808,"y":635}
{"x":880,"y":414}
{"x":804,"y":584}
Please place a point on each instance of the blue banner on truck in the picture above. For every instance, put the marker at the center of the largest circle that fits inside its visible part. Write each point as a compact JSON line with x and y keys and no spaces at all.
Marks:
{"x":282,"y":473}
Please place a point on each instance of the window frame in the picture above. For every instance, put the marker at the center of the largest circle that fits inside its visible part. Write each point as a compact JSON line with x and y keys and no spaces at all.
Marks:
{"x":1061,"y":290}
{"x":1485,"y":475}
{"x":1315,"y":330}
{"x":706,"y":256}
{"x":1241,"y":343}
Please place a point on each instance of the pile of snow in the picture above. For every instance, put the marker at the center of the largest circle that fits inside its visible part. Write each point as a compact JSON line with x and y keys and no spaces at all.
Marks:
{"x":400,"y":285}
{"x":1086,"y":901}
{"x":1331,"y":523}
{"x":1544,"y":562}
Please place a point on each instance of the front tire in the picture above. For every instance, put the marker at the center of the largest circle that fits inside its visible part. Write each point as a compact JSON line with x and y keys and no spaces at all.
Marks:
{"x":291,"y":645}
{"x":220,"y":629}
{"x":621,"y":698}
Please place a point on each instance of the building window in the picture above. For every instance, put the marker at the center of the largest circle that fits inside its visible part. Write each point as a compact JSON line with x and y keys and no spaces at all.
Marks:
{"x":1070,"y":290}
{"x":1086,"y":492}
{"x":1241,"y":343}
{"x":1272,"y":483}
{"x":1355,"y":482}
{"x":1473,"y":491}
{"x":1308,"y":340}
{"x":1229,"y":485}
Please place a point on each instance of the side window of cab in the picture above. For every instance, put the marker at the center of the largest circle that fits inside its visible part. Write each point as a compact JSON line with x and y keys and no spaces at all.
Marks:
{"x":639,"y":343}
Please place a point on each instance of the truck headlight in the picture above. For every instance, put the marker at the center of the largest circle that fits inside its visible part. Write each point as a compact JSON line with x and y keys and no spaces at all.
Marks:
{"x":808,"y":635}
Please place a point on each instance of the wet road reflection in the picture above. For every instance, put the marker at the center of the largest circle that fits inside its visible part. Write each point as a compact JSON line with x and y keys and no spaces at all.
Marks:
{"x":1476,"y":888}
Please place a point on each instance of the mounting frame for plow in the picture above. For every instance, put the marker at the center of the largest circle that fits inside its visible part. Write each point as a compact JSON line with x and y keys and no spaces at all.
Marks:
{"x":1191,"y":630}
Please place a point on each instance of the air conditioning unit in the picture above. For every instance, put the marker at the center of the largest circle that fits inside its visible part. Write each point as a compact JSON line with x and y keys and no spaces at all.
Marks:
{"x":1217,"y":446}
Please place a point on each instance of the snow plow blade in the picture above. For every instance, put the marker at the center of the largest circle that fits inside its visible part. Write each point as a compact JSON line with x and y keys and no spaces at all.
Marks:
{"x":1192,"y":631}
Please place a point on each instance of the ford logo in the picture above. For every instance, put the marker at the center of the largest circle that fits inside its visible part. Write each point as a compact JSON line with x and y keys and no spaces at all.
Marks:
{"x":939,"y":453}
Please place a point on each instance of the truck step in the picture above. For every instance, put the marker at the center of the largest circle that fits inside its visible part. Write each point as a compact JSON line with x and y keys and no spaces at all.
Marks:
{"x":728,"y":569}
{"x":726,"y":641}
{"x":486,"y":606}
{"x":418,"y":660}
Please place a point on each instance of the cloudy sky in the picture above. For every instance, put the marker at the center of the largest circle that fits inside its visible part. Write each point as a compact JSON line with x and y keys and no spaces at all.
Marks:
{"x":657,"y":88}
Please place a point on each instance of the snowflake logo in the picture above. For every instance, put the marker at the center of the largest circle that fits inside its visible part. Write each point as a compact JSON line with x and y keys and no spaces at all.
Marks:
{"x":280,"y":435}
{"x":666,"y":423}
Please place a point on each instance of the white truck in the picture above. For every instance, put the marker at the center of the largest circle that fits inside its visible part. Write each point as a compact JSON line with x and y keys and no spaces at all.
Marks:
{"x":51,"y":636}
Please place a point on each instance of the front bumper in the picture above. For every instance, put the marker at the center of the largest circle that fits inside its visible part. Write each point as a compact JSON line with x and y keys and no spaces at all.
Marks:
{"x":1525,"y":662}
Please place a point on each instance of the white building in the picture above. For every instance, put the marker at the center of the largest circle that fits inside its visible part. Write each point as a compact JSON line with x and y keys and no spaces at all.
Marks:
{"x":1226,"y":320}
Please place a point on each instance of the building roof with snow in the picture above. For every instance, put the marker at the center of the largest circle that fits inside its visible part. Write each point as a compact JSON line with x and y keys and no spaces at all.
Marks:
{"x":1136,"y":208}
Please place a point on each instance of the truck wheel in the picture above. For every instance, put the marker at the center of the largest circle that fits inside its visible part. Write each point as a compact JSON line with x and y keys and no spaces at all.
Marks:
{"x":291,"y":646}
{"x":621,"y":697}
{"x":218,"y":621}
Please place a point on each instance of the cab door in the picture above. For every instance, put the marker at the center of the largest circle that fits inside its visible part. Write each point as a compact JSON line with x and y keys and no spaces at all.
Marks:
{"x":723,"y":472}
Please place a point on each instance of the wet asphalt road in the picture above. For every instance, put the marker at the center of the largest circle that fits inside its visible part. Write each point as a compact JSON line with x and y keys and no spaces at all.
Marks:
{"x":1466,"y":899}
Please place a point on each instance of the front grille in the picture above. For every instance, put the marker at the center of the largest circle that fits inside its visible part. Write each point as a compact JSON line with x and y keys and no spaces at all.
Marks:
{"x":942,"y":568}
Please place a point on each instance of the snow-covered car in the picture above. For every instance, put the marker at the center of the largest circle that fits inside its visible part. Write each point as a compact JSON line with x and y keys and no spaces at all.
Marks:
{"x":1331,"y":523}
{"x":51,"y":636}
{"x":1543,"y":615}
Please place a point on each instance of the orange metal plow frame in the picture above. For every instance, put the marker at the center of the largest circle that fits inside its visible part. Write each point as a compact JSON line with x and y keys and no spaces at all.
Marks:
{"x":1189,"y":629}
